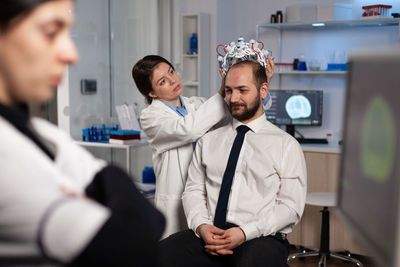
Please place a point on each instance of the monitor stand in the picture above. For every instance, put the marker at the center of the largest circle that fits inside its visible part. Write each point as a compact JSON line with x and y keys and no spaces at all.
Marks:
{"x":290,"y":129}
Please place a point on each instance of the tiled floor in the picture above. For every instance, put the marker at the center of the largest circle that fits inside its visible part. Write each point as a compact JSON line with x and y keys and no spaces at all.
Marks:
{"x":313,"y":262}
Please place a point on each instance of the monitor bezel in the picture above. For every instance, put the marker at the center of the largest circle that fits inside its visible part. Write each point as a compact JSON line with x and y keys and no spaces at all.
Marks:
{"x":297,"y":91}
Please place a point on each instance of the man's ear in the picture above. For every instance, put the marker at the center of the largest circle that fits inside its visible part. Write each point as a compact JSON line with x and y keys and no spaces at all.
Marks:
{"x":264,"y":90}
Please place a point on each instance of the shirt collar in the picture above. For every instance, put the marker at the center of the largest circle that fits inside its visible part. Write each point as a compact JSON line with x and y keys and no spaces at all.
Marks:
{"x":254,"y":125}
{"x":181,"y":111}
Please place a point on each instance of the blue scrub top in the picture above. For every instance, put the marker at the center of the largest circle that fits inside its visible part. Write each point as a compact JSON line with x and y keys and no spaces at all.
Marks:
{"x":181,"y":111}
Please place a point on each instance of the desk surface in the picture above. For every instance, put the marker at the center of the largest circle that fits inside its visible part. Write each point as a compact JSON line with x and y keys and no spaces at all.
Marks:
{"x":322,"y":148}
{"x":99,"y":144}
{"x":324,"y":199}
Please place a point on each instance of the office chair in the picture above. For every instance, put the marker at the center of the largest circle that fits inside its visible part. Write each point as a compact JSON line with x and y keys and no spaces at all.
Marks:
{"x":324,"y":199}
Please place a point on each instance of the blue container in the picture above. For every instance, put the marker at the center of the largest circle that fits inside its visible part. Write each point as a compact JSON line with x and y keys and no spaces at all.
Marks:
{"x":148,"y":175}
{"x":85,"y":134}
{"x":302,"y":66}
{"x":124,"y":132}
{"x":337,"y":67}
{"x":193,"y":43}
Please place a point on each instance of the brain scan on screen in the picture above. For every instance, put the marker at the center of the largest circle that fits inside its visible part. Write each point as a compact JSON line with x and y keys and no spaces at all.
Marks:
{"x":298,"y":106}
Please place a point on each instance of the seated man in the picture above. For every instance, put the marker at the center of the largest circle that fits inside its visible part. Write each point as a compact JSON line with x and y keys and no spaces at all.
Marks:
{"x":246,"y":185}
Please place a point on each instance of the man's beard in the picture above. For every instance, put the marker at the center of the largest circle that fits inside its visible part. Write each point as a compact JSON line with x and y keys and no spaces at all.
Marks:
{"x":247,"y":113}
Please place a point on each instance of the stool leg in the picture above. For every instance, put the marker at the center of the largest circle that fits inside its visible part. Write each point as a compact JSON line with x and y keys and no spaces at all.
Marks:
{"x":303,"y":255}
{"x":347,"y":259}
{"x":324,"y":246}
{"x":322,"y":261}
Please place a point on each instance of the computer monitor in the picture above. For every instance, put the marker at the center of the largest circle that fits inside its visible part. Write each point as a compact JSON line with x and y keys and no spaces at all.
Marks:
{"x":295,"y":107}
{"x":368,"y":197}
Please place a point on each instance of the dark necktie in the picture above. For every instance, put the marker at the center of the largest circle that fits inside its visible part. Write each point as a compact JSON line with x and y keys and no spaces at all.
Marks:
{"x":222,"y":205}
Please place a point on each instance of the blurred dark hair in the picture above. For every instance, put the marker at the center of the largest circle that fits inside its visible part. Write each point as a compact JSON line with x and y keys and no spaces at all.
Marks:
{"x":15,"y":10}
{"x":142,"y":74}
{"x":259,"y":75}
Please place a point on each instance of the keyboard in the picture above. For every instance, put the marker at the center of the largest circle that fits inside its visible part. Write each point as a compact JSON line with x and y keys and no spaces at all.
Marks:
{"x":312,"y":140}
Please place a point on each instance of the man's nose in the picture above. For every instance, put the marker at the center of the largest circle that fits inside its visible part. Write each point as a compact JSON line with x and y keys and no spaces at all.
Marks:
{"x":235,"y":96}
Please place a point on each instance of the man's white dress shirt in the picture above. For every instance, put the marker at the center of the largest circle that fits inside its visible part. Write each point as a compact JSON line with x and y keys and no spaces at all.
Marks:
{"x":269,"y":187}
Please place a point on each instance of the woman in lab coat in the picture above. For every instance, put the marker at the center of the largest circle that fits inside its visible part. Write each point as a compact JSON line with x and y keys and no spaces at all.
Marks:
{"x":172,"y":124}
{"x":57,"y":202}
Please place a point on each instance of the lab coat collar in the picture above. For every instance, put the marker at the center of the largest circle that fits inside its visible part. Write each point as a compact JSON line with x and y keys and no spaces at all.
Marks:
{"x":181,"y":111}
{"x":254,"y":125}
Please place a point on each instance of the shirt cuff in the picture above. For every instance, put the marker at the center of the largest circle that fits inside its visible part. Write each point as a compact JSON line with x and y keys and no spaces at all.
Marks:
{"x":259,"y":228}
{"x":197,"y":222}
{"x":250,"y":230}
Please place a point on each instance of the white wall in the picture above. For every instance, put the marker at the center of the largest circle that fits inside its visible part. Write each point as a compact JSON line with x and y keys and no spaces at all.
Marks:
{"x":90,"y":33}
{"x":134,"y":33}
{"x":134,"y":27}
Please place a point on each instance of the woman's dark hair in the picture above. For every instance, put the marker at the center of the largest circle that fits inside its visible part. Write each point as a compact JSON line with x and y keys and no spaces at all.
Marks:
{"x":142,"y":73}
{"x":15,"y":10}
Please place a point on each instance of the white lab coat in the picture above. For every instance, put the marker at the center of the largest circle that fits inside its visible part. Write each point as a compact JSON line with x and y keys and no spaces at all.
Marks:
{"x":32,"y":199}
{"x":171,"y":138}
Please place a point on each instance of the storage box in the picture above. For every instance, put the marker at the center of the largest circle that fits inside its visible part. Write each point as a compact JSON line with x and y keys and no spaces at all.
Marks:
{"x":301,"y":13}
{"x":334,"y":11}
{"x":376,"y":11}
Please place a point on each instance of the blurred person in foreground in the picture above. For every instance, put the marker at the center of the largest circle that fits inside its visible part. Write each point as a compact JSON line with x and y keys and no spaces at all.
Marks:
{"x":58,"y":202}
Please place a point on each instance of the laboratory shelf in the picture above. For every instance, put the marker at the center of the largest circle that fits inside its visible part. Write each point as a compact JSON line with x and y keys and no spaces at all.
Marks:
{"x":340,"y":24}
{"x":311,"y":72}
{"x":323,"y":26}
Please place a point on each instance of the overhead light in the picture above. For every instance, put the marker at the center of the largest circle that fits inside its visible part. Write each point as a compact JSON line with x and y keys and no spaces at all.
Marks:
{"x":318,"y":24}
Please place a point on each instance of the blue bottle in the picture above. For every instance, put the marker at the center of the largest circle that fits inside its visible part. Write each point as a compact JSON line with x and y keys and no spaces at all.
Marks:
{"x":302,"y":66}
{"x":193,"y":43}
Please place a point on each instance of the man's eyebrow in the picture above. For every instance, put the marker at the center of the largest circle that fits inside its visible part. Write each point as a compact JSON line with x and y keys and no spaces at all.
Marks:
{"x":237,"y":87}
